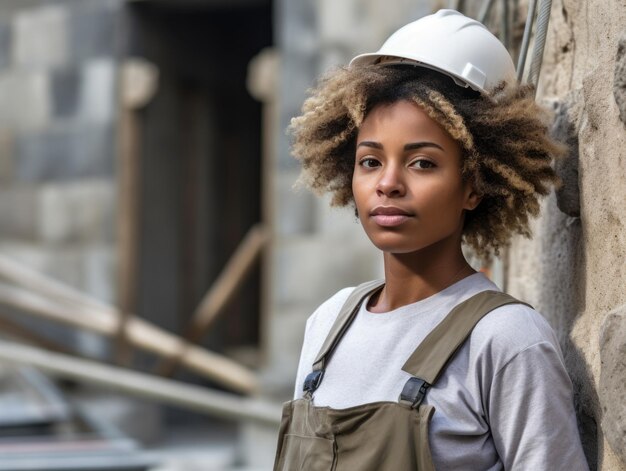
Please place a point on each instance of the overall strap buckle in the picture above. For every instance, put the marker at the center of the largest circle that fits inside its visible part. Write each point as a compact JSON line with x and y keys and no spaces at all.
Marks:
{"x":414,"y":391}
{"x":312,"y":382}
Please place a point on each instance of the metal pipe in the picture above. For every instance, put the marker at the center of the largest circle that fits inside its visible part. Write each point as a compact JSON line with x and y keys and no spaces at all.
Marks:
{"x":543,"y":19}
{"x":215,"y":403}
{"x":506,"y":38}
{"x":521,"y":60}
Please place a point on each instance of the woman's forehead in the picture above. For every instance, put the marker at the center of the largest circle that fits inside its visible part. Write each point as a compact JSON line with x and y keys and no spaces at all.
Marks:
{"x":401,"y":117}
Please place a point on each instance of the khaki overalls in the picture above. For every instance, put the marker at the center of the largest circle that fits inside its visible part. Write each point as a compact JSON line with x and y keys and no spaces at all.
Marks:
{"x":380,"y":436}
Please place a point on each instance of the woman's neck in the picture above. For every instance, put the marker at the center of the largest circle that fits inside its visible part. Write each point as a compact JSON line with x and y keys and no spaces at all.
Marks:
{"x":412,"y":277}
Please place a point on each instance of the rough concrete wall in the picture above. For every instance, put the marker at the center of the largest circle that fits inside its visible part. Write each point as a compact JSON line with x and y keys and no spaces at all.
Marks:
{"x":574,"y":269}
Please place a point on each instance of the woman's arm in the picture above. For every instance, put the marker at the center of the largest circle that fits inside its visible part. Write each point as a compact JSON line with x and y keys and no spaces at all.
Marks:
{"x":531,"y":413}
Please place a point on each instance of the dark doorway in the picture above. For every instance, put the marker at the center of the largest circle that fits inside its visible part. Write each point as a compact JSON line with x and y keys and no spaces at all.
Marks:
{"x":200,"y":160}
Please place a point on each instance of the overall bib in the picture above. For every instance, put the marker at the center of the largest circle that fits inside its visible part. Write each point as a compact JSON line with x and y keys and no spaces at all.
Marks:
{"x":379,"y":436}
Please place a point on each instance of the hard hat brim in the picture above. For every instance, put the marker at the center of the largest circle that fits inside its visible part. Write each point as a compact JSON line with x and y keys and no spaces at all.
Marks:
{"x":374,"y":58}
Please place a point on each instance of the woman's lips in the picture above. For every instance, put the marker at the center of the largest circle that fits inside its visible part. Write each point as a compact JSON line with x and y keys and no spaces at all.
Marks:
{"x":390,"y":220}
{"x":389,"y":216}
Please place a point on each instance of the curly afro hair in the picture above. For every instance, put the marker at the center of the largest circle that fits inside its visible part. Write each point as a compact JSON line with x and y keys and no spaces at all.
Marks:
{"x":507,"y":148}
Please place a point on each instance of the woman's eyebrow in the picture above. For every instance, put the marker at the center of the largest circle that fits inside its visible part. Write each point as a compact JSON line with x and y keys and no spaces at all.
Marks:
{"x":375,"y":145}
{"x":419,"y":145}
{"x":410,"y":146}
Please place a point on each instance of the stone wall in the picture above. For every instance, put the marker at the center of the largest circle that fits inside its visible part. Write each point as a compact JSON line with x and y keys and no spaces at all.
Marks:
{"x":58,"y":70}
{"x":574,"y":269}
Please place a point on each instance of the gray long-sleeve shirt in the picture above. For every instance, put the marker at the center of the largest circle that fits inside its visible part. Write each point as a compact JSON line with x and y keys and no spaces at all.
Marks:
{"x":503,"y":402}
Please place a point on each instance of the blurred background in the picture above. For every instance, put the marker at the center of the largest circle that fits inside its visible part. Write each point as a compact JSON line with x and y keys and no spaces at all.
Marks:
{"x":157,"y":266}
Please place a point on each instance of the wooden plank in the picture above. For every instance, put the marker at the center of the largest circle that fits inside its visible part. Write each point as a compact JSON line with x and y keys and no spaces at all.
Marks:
{"x":222,"y":291}
{"x":127,"y":229}
{"x":65,"y":304}
{"x":138,"y":82}
{"x":229,"y":280}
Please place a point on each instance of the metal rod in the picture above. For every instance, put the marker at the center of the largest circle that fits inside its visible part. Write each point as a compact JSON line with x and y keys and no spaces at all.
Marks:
{"x":521,"y":61}
{"x":543,"y":19}
{"x":506,"y":37}
{"x":214,"y":403}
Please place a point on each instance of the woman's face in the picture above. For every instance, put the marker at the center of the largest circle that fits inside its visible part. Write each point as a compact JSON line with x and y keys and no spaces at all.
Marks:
{"x":407,"y":182}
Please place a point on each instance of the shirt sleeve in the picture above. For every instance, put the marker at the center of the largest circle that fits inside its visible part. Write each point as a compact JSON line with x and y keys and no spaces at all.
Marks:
{"x":531,"y":413}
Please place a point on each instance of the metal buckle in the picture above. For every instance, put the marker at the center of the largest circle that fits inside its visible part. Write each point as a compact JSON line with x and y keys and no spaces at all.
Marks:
{"x":312,"y":381}
{"x":414,"y":391}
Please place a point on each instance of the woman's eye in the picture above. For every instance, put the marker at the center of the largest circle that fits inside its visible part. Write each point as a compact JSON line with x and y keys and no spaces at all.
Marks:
{"x":368,"y":162}
{"x":422,"y":164}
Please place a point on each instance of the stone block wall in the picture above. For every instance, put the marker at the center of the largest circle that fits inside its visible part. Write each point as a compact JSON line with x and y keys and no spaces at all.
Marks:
{"x":574,"y":269}
{"x":58,"y":68}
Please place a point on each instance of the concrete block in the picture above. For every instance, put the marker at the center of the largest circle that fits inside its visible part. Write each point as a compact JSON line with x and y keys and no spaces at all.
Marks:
{"x":18,"y":212}
{"x":93,"y":30}
{"x":24,"y":99}
{"x":294,"y":207}
{"x":64,"y":91}
{"x":60,"y":263}
{"x":339,"y":222}
{"x":316,"y":267}
{"x":352,"y":27}
{"x":97,"y":91}
{"x":612,"y":389}
{"x":65,"y":152}
{"x":619,"y":78}
{"x":98,"y":270}
{"x":40,"y":37}
{"x":339,"y":22}
{"x":78,"y":212}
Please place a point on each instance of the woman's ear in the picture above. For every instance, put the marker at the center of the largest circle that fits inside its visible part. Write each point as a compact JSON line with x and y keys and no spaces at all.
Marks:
{"x":472,"y":198}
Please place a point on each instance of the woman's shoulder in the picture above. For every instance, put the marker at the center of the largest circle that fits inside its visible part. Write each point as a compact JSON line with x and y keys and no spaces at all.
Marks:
{"x":512,"y":329}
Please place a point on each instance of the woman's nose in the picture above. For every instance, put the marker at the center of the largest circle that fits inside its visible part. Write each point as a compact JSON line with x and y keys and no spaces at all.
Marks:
{"x":390,"y":183}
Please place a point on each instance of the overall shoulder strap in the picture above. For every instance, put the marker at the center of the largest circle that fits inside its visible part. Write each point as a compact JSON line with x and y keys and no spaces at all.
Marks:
{"x":344,"y":319}
{"x":431,"y":356}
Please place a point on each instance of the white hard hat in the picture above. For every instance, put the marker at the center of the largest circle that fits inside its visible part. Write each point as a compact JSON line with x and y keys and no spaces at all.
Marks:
{"x":451,"y":43}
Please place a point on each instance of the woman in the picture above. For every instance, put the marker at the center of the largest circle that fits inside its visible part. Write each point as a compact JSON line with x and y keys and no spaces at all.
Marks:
{"x":432,"y":368}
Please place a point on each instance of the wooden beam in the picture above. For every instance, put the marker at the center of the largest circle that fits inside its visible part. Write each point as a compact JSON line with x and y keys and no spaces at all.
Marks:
{"x":229,"y":280}
{"x":138,"y":83}
{"x":62,"y":303}
{"x":221,"y":292}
